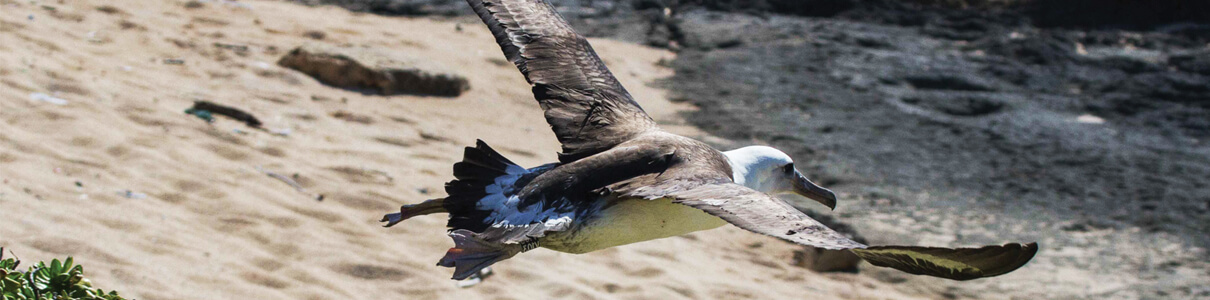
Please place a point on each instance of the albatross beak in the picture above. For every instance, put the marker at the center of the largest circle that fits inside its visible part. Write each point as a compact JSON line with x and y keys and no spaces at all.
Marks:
{"x":806,"y":188}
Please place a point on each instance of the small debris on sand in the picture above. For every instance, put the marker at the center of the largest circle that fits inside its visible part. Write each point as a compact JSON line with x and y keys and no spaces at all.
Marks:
{"x":201,"y":108}
{"x":315,"y":34}
{"x":201,"y":114}
{"x":352,"y":117}
{"x":131,"y":194}
{"x":194,"y":4}
{"x":233,"y":47}
{"x":47,"y":98}
{"x":293,"y":183}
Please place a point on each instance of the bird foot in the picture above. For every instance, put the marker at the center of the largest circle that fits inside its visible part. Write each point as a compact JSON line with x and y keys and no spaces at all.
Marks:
{"x":471,"y":254}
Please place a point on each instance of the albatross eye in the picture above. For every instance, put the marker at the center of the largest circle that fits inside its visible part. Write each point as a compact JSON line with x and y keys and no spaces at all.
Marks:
{"x":788,"y":168}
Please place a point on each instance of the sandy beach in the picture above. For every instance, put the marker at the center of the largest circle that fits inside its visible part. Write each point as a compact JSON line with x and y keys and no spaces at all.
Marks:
{"x":158,"y":204}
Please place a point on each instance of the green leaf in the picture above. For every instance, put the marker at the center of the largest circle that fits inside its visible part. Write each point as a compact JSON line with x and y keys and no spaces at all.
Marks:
{"x":9,"y":264}
{"x":27,"y":293}
{"x":39,"y":279}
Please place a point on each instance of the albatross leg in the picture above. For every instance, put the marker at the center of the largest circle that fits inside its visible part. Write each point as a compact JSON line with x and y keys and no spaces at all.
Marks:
{"x":430,"y":206}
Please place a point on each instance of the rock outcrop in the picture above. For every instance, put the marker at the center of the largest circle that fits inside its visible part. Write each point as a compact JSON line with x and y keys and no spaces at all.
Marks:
{"x":824,"y":260}
{"x":374,"y":71}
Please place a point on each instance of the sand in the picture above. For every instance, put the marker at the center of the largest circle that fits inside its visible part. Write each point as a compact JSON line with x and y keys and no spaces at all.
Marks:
{"x":214,"y":227}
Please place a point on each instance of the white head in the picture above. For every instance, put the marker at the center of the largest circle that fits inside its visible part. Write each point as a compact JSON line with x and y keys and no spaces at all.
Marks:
{"x":771,"y":171}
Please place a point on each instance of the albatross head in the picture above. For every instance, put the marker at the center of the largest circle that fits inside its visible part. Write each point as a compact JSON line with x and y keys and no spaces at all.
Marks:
{"x":771,"y":171}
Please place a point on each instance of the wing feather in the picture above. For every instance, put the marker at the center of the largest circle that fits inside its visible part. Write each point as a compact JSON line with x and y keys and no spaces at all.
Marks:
{"x":951,"y":263}
{"x":585,"y":105}
{"x":758,"y":212}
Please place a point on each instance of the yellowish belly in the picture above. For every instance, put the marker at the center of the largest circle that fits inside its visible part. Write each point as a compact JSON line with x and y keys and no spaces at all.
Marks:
{"x":632,"y":221}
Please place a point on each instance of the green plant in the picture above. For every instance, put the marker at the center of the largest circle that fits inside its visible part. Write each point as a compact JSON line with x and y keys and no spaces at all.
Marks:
{"x":59,"y":280}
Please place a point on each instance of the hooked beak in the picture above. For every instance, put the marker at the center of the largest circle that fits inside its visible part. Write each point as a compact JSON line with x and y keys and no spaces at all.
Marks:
{"x":806,"y":188}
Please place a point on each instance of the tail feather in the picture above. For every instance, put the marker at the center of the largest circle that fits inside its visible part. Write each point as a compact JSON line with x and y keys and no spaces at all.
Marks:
{"x":481,"y":163}
{"x":430,"y":206}
{"x":480,"y":167}
{"x":492,"y":154}
{"x":471,"y":253}
{"x":483,"y":172}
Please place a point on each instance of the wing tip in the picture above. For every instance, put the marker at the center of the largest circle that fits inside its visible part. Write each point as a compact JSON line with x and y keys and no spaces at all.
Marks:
{"x":972,"y":263}
{"x":1024,"y":254}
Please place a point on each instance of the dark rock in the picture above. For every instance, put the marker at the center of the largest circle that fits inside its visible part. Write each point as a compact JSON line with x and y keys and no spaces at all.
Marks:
{"x":1129,"y":14}
{"x":399,"y":7}
{"x":824,"y":260}
{"x":1130,"y":65}
{"x":369,"y":70}
{"x":961,"y":105}
{"x":1031,"y":49}
{"x":1085,"y":225}
{"x":809,"y":8}
{"x":949,"y":81}
{"x":1192,"y":62}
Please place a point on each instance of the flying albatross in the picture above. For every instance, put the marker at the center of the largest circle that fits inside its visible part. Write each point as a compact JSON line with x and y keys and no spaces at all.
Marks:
{"x":621,"y":180}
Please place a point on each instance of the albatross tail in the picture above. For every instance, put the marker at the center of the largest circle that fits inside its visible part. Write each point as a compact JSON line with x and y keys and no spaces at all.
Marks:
{"x":482,"y":175}
{"x":484,"y":180}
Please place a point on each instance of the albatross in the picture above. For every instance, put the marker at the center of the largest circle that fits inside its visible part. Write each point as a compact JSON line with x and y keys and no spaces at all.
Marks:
{"x":620,"y":179}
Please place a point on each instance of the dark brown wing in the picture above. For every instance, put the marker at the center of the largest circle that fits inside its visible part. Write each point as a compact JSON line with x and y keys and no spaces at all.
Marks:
{"x":956,"y":264}
{"x":585,"y":105}
{"x":758,"y":212}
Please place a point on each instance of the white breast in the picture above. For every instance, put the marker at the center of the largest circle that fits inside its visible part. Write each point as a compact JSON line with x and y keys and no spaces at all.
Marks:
{"x":632,"y":221}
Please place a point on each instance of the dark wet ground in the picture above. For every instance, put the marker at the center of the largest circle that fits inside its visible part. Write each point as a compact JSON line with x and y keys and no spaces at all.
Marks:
{"x":1012,"y":116}
{"x":1061,"y":131}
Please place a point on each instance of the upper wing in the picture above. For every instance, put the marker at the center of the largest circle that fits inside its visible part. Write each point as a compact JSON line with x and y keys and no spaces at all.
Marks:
{"x":585,"y":105}
{"x":760,"y":213}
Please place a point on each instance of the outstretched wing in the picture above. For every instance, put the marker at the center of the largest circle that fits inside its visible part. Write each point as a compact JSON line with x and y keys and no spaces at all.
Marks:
{"x":758,"y":212}
{"x":584,"y":104}
{"x":950,"y":263}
